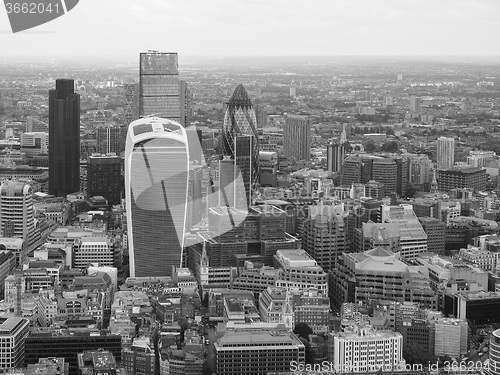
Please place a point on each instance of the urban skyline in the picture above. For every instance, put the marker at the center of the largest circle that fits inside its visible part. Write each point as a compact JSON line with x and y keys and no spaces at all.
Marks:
{"x":264,"y":191}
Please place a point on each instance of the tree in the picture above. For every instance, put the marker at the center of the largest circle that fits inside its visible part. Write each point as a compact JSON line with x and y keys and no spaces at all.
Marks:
{"x":303,"y":330}
{"x":205,"y":300}
{"x":206,"y":368}
{"x":410,"y":191}
{"x":308,"y":352}
{"x":391,"y":146}
{"x":370,"y":147}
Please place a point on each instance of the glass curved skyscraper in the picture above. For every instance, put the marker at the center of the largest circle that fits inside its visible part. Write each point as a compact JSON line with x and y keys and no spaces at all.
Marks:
{"x":240,"y":139}
{"x":156,"y":189}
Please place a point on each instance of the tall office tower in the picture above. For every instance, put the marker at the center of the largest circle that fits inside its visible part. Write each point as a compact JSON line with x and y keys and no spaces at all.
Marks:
{"x":297,"y":137}
{"x":156,"y":190}
{"x":414,"y":104}
{"x":185,"y":103}
{"x":240,"y":139}
{"x":268,"y":168}
{"x":64,"y":139}
{"x":159,"y":92}
{"x":445,"y":152}
{"x":16,"y":212}
{"x":261,"y":114}
{"x":131,"y":108}
{"x":324,"y":234}
{"x":420,"y":170}
{"x":111,"y":139}
{"x":333,"y":160}
{"x":435,"y":230}
{"x":105,"y":177}
{"x":13,"y":334}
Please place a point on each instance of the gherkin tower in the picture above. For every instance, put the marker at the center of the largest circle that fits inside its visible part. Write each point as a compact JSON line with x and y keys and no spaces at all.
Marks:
{"x":240,"y":140}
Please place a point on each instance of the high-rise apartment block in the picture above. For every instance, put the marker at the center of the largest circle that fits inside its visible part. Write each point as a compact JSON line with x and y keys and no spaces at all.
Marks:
{"x":297,"y":137}
{"x":445,"y":152}
{"x":64,"y":139}
{"x":414,"y":104}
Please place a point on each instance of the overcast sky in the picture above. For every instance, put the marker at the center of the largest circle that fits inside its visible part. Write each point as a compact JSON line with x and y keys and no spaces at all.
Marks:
{"x":263,"y":28}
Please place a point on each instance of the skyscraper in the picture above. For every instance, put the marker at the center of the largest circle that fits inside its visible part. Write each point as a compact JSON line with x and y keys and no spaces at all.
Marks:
{"x":336,"y":152}
{"x":16,"y":212}
{"x":105,"y":178}
{"x":156,"y":190}
{"x":239,"y":138}
{"x":159,"y":90}
{"x":297,"y":137}
{"x":111,"y":139}
{"x":185,"y":103}
{"x":414,"y":104}
{"x":131,"y":109}
{"x":445,"y":152}
{"x":64,"y":139}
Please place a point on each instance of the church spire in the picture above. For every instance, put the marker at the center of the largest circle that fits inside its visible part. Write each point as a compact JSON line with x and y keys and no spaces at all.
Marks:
{"x":343,"y":135}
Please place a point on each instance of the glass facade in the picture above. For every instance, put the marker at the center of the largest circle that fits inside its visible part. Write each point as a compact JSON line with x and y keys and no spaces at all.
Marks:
{"x":157,"y":176}
{"x":159,"y":85}
{"x":240,"y":120}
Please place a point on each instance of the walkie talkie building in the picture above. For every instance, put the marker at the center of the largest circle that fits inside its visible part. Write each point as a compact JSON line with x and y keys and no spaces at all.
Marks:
{"x":156,"y":189}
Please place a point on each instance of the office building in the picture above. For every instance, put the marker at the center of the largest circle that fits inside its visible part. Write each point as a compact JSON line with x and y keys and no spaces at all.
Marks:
{"x":34,"y":143}
{"x":324,"y":235}
{"x":494,"y":357}
{"x":13,"y":334}
{"x":413,"y":239}
{"x":451,"y":337}
{"x":435,"y":230}
{"x":111,"y":139}
{"x":378,"y":274}
{"x":240,"y":140}
{"x":105,"y":177}
{"x":185,"y":102}
{"x":156,"y":195}
{"x":98,"y":250}
{"x":297,"y":137}
{"x":64,"y":139}
{"x":16,"y":212}
{"x":49,"y":342}
{"x":462,"y":178}
{"x":159,"y":92}
{"x":248,"y":351}
{"x":418,"y":333}
{"x":7,"y":265}
{"x":268,"y":168}
{"x":96,"y":362}
{"x":364,"y":350}
{"x":372,"y":235}
{"x":478,"y":307}
{"x":336,"y":153}
{"x":445,"y":152}
{"x":139,"y":358}
{"x":131,"y":108}
{"x":300,"y":271}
